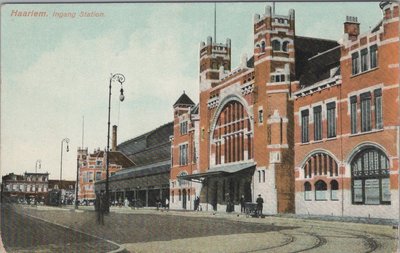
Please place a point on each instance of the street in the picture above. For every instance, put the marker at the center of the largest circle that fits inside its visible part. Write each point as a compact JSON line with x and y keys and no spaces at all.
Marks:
{"x":147,"y":230}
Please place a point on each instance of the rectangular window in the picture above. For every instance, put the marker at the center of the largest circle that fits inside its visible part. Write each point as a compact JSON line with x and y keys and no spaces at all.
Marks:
{"x":90,"y":177}
{"x":353,"y":114}
{"x":364,"y":60}
{"x":372,"y":191}
{"x":304,"y":126}
{"x":378,"y":109}
{"x":183,"y":159}
{"x":373,"y":52}
{"x":98,"y":176}
{"x":355,"y":63}
{"x":183,"y":127}
{"x":260,"y":116}
{"x":317,"y":123}
{"x":263,"y":176}
{"x":331,"y":119}
{"x":365,"y":112}
{"x":259,"y":176}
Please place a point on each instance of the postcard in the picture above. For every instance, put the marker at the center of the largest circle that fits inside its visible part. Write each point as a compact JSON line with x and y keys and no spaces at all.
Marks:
{"x":200,"y":127}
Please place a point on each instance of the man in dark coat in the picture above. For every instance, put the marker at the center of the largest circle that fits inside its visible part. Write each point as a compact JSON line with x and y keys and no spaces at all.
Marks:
{"x":100,"y":208}
{"x":242,"y":204}
{"x":260,"y":202}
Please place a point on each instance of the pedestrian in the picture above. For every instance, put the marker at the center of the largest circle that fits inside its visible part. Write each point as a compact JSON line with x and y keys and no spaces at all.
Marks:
{"x":260,"y":202}
{"x":167,"y":204}
{"x":242,"y":205}
{"x":196,"y":203}
{"x":100,"y":204}
{"x":126,"y":203}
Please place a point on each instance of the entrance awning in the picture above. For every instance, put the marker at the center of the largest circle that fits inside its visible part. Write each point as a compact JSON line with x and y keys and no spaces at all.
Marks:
{"x":218,"y":170}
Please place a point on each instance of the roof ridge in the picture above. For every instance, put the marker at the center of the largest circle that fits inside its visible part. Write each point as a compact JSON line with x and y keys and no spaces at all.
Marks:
{"x":323,"y":52}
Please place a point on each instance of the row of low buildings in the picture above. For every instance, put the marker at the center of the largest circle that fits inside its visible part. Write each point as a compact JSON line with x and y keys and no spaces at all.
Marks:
{"x":30,"y":186}
{"x":310,"y":124}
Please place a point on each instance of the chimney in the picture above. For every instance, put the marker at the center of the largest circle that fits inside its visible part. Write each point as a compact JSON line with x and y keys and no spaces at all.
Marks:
{"x":352,"y":27}
{"x":114,"y":138}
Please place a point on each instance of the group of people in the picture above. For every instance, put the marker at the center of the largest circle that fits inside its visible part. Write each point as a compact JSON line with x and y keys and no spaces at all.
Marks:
{"x":259,"y":206}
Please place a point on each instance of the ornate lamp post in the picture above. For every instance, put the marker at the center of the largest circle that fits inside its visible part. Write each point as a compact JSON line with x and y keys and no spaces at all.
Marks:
{"x":121,"y":79}
{"x":38,"y":162}
{"x":66,"y":140}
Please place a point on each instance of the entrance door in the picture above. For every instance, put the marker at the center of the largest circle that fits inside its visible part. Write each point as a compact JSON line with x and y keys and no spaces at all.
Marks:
{"x":184,"y":199}
{"x":247,"y":191}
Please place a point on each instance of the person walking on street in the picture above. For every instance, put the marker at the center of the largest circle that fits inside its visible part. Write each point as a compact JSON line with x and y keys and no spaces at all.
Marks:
{"x":242,"y":205}
{"x":167,"y":204}
{"x":260,"y":202}
{"x":100,"y":207}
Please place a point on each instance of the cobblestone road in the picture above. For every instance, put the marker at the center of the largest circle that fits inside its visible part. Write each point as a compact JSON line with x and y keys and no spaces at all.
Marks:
{"x":152,"y":231}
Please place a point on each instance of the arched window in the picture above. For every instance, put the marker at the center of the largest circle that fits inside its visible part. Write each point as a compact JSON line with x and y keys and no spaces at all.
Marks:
{"x":320,"y":190}
{"x":285,"y":45}
{"x":307,"y":191}
{"x":232,"y":135}
{"x":334,"y":190}
{"x":263,"y":46}
{"x":320,"y":164}
{"x":276,"y":45}
{"x":370,"y":177}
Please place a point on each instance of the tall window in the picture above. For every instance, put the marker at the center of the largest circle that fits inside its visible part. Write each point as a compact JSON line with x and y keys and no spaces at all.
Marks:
{"x":334,"y":190}
{"x":331,"y":119}
{"x":260,"y":116}
{"x":98,"y":176}
{"x":378,"y":109}
{"x":304,"y":126}
{"x":365,"y":112}
{"x":364,"y":60}
{"x":183,"y":154}
{"x":320,"y":190}
{"x":373,"y":51}
{"x":355,"y":63}
{"x":317,"y":123}
{"x":232,"y":135}
{"x":307,"y":191}
{"x":183,"y":127}
{"x":353,"y":114}
{"x":370,"y":177}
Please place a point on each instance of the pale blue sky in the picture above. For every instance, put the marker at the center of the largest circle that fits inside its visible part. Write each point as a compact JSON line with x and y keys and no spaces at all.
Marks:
{"x":54,"y":71}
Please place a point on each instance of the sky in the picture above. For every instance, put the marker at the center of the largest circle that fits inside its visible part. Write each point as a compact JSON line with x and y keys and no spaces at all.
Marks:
{"x":55,"y":71}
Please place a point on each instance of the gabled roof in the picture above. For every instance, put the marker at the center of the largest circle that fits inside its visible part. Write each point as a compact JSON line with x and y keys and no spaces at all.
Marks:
{"x":184,"y":100}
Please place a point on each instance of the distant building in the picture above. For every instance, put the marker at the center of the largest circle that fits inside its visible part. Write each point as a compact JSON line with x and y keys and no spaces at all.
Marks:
{"x":92,"y":167}
{"x":67,"y":189}
{"x":25,"y":187}
{"x":147,"y":181}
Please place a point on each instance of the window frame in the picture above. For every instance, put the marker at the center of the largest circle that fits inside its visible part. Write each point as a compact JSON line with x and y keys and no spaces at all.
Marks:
{"x":317,"y":123}
{"x":353,"y":114}
{"x":378,"y":109}
{"x":331,"y":119}
{"x":365,"y":109}
{"x":305,"y":121}
{"x":355,"y":62}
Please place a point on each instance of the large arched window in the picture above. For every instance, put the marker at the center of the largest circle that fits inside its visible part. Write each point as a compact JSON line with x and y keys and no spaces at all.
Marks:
{"x":232,"y":135}
{"x":285,"y":46}
{"x":320,"y":190}
{"x":320,"y":164}
{"x":370,"y":177}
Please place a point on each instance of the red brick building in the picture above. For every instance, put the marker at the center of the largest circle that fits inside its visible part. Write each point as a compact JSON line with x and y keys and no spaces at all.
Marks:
{"x":310,"y":124}
{"x":347,"y":124}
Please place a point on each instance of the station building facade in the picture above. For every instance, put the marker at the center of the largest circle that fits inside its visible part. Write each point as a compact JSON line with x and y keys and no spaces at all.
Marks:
{"x":346,"y":114}
{"x":310,"y":124}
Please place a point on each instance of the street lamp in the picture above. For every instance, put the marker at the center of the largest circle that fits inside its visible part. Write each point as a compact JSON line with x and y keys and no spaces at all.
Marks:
{"x":77,"y":182}
{"x":38,"y":162}
{"x":66,"y":140}
{"x":120,"y":78}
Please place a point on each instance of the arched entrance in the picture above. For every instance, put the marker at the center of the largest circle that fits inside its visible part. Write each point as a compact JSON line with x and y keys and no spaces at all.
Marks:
{"x":184,"y":198}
